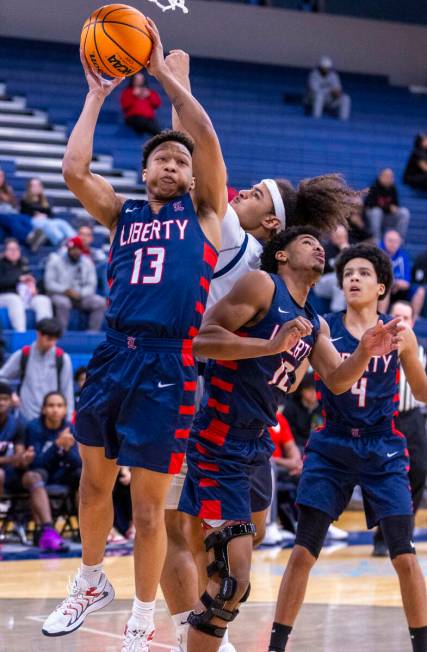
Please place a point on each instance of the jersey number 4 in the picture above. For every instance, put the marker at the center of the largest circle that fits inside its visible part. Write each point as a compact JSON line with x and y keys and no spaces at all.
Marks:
{"x":359,"y":389}
{"x":157,"y":260}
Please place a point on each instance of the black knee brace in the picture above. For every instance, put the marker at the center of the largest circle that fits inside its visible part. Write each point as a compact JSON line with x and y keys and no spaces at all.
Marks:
{"x":397,"y":531}
{"x":218,"y":541}
{"x":312,"y":528}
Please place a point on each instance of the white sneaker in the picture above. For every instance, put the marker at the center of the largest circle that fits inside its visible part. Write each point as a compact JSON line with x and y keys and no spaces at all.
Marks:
{"x":227,"y":647}
{"x":137,"y":640}
{"x":274,"y":535}
{"x":82,"y":600}
{"x":336,"y":533}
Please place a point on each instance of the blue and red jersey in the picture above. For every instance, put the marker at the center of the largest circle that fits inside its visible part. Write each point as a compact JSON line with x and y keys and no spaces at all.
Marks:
{"x":242,"y":395}
{"x":159,"y":271}
{"x":371,"y":401}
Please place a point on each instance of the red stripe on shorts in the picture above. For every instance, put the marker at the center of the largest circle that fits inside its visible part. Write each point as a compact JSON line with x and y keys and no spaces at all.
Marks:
{"x":220,"y":407}
{"x":175,"y":463}
{"x":190,"y":386}
{"x":182,"y":434}
{"x":192,"y":332}
{"x":187,"y":353}
{"x":208,"y":466}
{"x":222,"y":384}
{"x":211,"y":509}
{"x":230,"y":364}
{"x":207,"y":482}
{"x":187,"y":409}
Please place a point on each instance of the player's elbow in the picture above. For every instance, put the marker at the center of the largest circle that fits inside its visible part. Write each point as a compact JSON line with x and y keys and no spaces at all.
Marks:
{"x":73,"y":169}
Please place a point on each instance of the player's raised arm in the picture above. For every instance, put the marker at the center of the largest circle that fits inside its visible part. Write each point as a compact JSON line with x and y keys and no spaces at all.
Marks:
{"x":414,"y":370}
{"x":208,"y":163}
{"x":92,"y":190}
{"x":248,"y":300}
{"x":339,"y":376}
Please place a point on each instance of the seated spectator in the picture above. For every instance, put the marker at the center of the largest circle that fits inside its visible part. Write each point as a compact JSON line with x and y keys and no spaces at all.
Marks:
{"x":40,"y":368}
{"x":415,"y":174}
{"x":85,"y":233}
{"x":51,"y":437}
{"x":18,"y":289}
{"x":71,"y":282}
{"x":327,"y":287}
{"x":402,"y":288}
{"x":8,"y":201}
{"x":358,"y":229}
{"x":303,"y":411}
{"x":79,"y":380}
{"x":325,"y":91}
{"x":139,"y":104}
{"x":15,"y":475}
{"x":419,"y":269}
{"x":36,"y":204}
{"x":382,"y":207}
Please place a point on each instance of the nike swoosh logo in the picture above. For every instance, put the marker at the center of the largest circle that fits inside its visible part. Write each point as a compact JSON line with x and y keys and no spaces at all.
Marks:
{"x":131,"y":210}
{"x":392,"y":454}
{"x":284,"y":312}
{"x":336,"y":339}
{"x":162,"y":385}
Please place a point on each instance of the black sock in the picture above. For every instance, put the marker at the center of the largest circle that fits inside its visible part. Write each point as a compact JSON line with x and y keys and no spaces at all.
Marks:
{"x":279,"y":637}
{"x":418,"y":638}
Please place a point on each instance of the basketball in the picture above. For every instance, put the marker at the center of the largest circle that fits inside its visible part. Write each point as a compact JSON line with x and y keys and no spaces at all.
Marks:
{"x":115,"y":40}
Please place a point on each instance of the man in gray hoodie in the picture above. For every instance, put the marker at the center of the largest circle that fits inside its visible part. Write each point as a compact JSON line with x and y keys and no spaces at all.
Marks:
{"x":70,"y":280}
{"x":325,"y":91}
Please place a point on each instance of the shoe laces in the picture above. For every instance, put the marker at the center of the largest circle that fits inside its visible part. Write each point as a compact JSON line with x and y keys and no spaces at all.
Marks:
{"x":134,"y":638}
{"x":74,"y":592}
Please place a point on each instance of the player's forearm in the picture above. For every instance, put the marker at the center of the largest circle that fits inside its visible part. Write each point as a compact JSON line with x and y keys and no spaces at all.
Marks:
{"x":190,"y":113}
{"x":78,"y":155}
{"x":348,"y":372}
{"x":220,"y":344}
{"x":184,"y":80}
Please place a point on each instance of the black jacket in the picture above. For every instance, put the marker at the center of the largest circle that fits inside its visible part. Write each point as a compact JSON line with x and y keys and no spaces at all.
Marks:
{"x":10,"y":274}
{"x":382,"y":197}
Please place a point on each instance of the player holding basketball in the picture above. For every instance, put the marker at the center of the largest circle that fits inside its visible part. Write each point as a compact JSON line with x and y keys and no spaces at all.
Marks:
{"x":257,"y":336}
{"x":358,"y":445}
{"x":138,"y":402}
{"x":251,"y":219}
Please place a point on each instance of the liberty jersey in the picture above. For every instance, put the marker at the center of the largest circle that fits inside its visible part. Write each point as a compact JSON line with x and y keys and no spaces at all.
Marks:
{"x":374,"y":398}
{"x":159,"y":272}
{"x":244,"y":392}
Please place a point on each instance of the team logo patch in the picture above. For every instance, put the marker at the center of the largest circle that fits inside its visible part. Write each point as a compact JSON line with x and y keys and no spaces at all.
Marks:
{"x":178,"y":207}
{"x":131,"y":343}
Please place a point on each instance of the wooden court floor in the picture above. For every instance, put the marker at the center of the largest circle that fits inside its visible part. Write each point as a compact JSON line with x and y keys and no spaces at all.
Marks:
{"x":352,"y":605}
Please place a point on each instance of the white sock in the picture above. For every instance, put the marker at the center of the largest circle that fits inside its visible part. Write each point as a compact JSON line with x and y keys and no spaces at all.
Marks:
{"x":91,"y":574}
{"x":181,"y":628}
{"x":224,"y":639}
{"x":142,"y":614}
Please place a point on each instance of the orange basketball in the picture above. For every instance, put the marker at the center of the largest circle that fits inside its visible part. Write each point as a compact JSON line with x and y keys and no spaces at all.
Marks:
{"x":115,"y":40}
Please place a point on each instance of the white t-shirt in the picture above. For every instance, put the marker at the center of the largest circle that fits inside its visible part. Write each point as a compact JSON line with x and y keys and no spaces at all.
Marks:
{"x":240,"y":253}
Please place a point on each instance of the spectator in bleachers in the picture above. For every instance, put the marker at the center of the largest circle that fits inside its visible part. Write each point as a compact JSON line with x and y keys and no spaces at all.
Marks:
{"x":15,"y":475}
{"x":85,"y":233}
{"x":415,"y":174}
{"x":35,"y":203}
{"x":8,"y":201}
{"x":358,"y":230}
{"x":18,"y":289}
{"x":57,"y":457}
{"x":71,"y":281}
{"x":419,"y":269}
{"x":327,"y":287}
{"x":40,"y":368}
{"x":402,"y":288}
{"x":382,"y":207}
{"x":139,"y":104}
{"x":303,"y":411}
{"x":325,"y":91}
{"x":79,"y":380}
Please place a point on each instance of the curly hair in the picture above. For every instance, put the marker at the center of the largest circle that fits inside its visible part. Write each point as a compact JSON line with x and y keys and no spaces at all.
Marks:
{"x":279,"y":242}
{"x":164,"y":137}
{"x":322,"y":202}
{"x":379,"y":259}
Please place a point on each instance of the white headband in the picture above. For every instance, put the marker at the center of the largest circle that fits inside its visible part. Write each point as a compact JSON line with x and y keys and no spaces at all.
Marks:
{"x":279,"y":206}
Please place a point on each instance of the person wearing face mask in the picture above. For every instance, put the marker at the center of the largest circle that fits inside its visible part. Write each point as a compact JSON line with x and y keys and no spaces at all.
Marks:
{"x":325,"y":91}
{"x":70,"y":280}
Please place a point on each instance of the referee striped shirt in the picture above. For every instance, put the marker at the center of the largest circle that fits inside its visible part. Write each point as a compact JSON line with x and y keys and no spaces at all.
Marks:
{"x":407,"y":400}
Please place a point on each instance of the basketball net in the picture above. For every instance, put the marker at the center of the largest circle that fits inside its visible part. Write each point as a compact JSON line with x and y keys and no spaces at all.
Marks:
{"x":171,"y":4}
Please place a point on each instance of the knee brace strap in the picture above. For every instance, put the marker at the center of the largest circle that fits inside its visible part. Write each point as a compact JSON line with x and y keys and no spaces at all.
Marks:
{"x":214,"y":609}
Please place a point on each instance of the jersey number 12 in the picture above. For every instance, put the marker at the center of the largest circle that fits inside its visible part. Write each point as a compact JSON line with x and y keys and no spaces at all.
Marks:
{"x":157,"y":259}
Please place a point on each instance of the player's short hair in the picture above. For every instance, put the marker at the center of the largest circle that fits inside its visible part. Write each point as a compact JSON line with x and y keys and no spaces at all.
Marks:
{"x":323,"y":202}
{"x":379,"y":259}
{"x":279,"y":242}
{"x":164,"y":137}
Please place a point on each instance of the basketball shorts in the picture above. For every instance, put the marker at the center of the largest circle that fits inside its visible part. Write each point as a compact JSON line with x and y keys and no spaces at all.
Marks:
{"x":13,"y":480}
{"x":218,"y":482}
{"x":339,"y":458}
{"x":138,"y":401}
